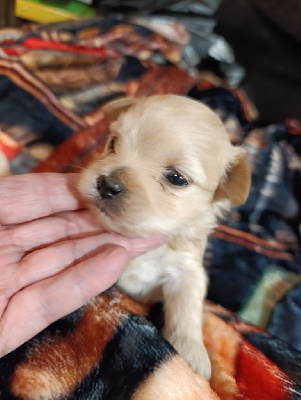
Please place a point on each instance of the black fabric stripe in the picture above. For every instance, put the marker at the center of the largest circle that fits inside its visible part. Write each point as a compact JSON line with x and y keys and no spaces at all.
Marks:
{"x":19,"y":107}
{"x":156,"y":315}
{"x":10,"y":362}
{"x":296,"y":391}
{"x":279,"y":352}
{"x":133,"y":353}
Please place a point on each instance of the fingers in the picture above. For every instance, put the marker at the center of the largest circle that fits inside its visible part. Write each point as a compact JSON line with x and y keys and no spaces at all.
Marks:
{"x":48,"y":230}
{"x":50,"y":261}
{"x":37,"y":306}
{"x":138,"y":246}
{"x":30,"y":196}
{"x":69,"y":286}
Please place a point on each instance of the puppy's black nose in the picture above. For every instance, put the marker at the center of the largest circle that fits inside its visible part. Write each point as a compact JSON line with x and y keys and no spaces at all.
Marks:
{"x":108,"y":188}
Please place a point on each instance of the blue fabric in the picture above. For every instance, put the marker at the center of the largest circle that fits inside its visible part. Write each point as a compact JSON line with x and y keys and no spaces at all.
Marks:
{"x":237,"y":263}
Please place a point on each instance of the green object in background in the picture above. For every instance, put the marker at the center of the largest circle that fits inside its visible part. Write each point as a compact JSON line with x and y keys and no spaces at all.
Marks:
{"x":73,"y":6}
{"x":51,"y":11}
{"x":270,"y":290}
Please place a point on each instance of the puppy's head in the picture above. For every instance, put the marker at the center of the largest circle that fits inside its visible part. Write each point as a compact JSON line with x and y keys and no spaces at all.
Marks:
{"x":167,"y":163}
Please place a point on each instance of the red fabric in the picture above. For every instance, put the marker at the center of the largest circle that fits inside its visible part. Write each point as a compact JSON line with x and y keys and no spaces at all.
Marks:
{"x":41,"y":44}
{"x":257,"y":377}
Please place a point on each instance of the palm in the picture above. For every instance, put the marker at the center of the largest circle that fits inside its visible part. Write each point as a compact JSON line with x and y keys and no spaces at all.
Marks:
{"x":53,"y":255}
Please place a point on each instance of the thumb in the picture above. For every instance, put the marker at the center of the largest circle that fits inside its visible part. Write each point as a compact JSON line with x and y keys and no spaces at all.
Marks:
{"x":138,"y":246}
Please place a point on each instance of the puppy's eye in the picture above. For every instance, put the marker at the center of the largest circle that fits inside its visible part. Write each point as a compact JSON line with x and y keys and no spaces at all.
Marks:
{"x":175,"y":178}
{"x":112,"y":144}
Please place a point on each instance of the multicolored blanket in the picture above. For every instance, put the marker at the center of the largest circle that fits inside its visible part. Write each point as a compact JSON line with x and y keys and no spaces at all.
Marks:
{"x":53,"y":82}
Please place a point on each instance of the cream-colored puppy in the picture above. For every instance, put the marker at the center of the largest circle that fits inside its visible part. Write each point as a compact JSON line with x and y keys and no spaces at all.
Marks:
{"x":168,"y":167}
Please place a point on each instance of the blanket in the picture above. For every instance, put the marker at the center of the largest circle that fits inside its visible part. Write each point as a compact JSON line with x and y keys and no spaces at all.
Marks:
{"x":53,"y":82}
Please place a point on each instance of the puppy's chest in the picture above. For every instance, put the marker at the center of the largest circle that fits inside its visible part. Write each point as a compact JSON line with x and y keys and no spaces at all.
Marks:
{"x":144,"y":277}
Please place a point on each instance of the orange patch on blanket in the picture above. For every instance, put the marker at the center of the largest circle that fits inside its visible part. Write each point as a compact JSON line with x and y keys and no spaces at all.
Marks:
{"x":55,"y":367}
{"x":175,"y":380}
{"x":222,"y":343}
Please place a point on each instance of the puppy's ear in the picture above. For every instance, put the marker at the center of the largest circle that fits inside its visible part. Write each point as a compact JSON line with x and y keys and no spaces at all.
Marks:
{"x":114,"y":108}
{"x":235,"y":185}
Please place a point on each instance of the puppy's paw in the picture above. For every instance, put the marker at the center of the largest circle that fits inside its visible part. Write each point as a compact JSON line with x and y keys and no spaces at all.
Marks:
{"x":194,"y":352}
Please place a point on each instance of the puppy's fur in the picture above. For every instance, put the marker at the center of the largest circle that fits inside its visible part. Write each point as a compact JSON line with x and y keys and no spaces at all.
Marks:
{"x":150,"y":139}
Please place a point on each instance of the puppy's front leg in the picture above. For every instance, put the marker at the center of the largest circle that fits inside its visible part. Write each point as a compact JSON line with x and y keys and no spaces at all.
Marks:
{"x":184,"y":290}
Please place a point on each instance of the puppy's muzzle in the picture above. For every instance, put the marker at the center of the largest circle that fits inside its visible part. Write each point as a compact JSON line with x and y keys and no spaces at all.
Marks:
{"x":109,"y":187}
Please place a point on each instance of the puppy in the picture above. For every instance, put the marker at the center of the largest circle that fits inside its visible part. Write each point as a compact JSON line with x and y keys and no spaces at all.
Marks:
{"x":168,"y":167}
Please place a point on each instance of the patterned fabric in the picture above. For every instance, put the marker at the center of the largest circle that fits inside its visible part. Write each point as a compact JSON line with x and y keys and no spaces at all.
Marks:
{"x":108,"y":350}
{"x":54,"y":78}
{"x":112,"y":348}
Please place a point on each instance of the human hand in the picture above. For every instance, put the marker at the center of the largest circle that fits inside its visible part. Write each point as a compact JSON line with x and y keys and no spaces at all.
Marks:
{"x":54,"y":256}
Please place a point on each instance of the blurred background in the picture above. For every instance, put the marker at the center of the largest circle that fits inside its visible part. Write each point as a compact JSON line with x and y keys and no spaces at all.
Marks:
{"x":264,"y":38}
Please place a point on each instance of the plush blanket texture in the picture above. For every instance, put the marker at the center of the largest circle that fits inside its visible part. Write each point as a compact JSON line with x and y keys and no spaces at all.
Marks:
{"x":53,"y":82}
